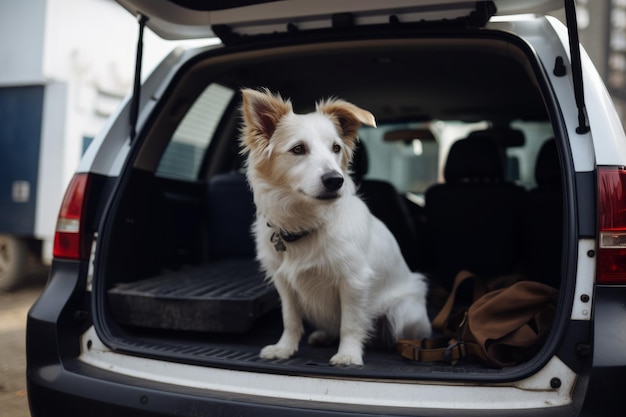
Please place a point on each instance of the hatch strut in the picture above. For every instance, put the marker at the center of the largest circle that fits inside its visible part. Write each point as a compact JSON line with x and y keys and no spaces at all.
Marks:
{"x":577,"y":72}
{"x":134,"y":109}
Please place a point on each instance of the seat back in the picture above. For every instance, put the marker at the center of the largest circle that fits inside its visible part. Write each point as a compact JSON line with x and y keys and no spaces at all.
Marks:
{"x":388,"y":205}
{"x":544,"y":219}
{"x":474,"y":218}
{"x":231,"y":213}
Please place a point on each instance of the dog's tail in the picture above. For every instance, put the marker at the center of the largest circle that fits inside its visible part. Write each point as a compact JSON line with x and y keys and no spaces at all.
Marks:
{"x":407,"y":318}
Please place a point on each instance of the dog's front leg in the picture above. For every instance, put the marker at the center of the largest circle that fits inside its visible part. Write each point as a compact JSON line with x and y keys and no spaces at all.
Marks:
{"x":293,"y":328}
{"x":355,"y":326}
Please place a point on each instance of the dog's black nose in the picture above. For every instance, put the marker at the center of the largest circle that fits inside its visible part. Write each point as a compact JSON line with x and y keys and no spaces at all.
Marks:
{"x":332,"y":180}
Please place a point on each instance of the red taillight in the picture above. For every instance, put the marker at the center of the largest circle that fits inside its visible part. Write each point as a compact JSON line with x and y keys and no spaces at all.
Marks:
{"x":69,"y":237}
{"x":612,"y":223}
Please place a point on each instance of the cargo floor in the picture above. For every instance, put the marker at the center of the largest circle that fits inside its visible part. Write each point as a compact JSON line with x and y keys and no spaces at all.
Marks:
{"x":223,"y":313}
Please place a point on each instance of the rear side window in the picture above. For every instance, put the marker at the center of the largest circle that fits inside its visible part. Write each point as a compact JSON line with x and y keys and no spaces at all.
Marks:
{"x":183,"y":156}
{"x":414,"y":163}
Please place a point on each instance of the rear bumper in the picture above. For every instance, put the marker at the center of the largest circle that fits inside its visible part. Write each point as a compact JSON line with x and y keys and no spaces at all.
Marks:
{"x":85,"y":390}
{"x":605,"y":393}
{"x":78,"y":390}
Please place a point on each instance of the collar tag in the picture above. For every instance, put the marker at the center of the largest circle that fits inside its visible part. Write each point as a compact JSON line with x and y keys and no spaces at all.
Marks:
{"x":277,"y":240}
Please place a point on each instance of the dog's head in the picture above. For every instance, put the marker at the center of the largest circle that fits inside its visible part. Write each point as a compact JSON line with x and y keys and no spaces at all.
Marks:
{"x":306,"y":153}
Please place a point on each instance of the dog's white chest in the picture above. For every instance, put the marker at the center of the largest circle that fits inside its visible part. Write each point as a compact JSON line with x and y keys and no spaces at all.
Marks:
{"x":318,"y":295}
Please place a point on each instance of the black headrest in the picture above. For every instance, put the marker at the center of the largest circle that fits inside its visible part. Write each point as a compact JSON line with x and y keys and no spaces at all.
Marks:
{"x":360,"y":163}
{"x":475,"y":158}
{"x":547,"y":167}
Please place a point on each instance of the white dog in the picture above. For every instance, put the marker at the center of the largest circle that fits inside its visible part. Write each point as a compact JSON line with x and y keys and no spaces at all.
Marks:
{"x":332,"y":262}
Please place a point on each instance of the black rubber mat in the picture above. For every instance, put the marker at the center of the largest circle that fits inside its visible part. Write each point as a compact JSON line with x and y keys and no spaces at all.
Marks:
{"x":224,"y":296}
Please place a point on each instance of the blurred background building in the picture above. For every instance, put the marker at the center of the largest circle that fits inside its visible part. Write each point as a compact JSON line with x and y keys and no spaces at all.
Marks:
{"x":65,"y":66}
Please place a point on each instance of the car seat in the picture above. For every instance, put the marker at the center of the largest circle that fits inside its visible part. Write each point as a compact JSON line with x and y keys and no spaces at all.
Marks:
{"x":388,"y":205}
{"x":544,"y":218}
{"x":231,"y":213}
{"x":474,"y":218}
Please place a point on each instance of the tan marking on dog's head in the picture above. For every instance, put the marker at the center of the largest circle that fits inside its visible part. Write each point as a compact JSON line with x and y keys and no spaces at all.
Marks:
{"x":265,"y":114}
{"x":348,"y":118}
{"x":261,"y":112}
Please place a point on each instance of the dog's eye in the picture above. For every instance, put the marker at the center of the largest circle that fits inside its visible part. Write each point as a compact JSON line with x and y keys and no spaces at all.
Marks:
{"x":336,"y":148}
{"x":297,"y":150}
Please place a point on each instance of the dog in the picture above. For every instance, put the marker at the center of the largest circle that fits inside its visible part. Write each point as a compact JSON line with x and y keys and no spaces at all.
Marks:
{"x":332,"y":262}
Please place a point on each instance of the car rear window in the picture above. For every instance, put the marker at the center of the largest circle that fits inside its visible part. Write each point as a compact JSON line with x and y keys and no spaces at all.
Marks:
{"x":183,"y":156}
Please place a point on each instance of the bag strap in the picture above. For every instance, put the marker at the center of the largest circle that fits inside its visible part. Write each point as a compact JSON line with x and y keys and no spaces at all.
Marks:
{"x":450,"y":351}
{"x":443,"y":348}
{"x":440,"y":349}
{"x":440,"y":322}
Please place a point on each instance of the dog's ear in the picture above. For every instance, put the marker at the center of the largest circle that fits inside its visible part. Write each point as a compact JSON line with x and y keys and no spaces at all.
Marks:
{"x":347,"y":117}
{"x":261,"y":112}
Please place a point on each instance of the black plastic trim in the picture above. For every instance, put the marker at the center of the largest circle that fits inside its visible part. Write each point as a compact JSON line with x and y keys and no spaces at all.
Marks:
{"x":586,"y":199}
{"x":53,"y":325}
{"x":344,"y":22}
{"x":610,"y":326}
{"x":604,"y":394}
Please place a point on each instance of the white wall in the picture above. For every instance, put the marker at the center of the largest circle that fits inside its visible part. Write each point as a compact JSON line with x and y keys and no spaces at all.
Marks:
{"x":22,"y":25}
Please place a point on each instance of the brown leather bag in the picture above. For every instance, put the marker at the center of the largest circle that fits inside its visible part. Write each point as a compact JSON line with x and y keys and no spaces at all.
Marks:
{"x":502,"y":327}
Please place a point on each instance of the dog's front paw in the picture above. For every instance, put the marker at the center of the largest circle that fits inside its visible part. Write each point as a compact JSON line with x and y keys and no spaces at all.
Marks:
{"x":346,"y":359}
{"x":277,"y":351}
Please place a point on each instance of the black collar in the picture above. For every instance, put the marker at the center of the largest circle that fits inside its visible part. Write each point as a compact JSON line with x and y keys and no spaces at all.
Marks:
{"x":280,"y":237}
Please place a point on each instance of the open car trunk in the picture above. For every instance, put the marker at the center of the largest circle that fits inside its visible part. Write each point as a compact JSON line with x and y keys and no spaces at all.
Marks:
{"x":178,"y":278}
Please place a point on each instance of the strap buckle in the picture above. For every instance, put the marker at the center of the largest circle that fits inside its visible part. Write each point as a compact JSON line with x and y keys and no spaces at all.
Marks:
{"x":454,"y":352}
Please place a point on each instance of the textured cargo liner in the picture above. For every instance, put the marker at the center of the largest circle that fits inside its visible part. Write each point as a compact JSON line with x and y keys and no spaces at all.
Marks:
{"x":241,"y":352}
{"x":224,"y":296}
